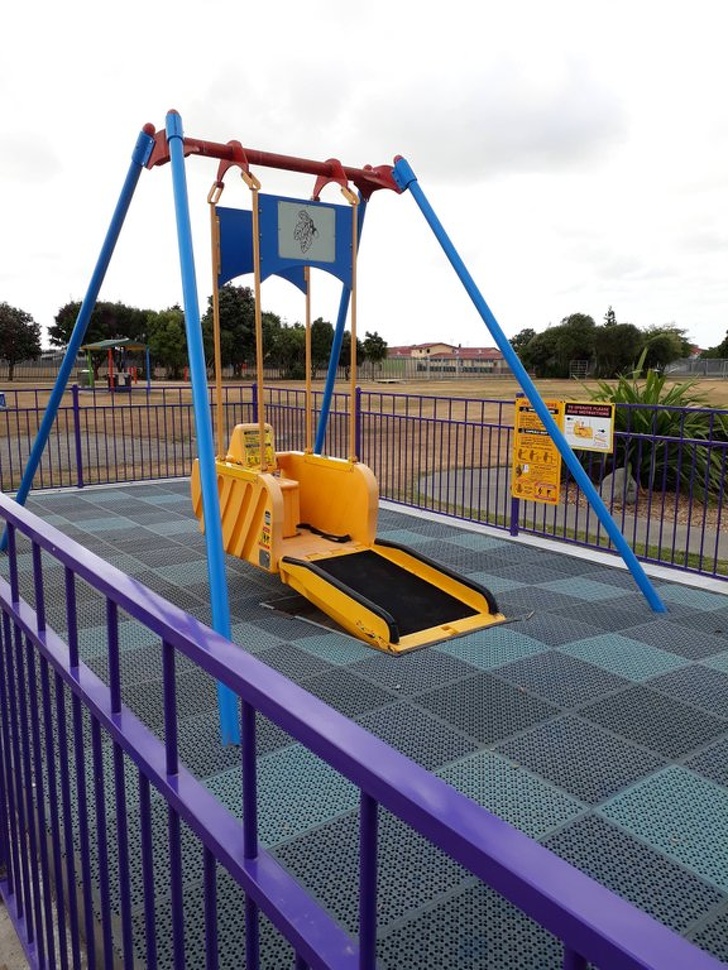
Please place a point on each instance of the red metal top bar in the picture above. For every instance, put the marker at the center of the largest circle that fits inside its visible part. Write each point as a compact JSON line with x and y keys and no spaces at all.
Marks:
{"x":367,"y":179}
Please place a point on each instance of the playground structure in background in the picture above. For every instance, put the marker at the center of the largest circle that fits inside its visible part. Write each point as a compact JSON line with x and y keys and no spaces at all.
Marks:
{"x":121,"y":373}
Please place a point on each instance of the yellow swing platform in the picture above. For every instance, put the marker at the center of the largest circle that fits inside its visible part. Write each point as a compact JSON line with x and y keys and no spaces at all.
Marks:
{"x":311,"y":519}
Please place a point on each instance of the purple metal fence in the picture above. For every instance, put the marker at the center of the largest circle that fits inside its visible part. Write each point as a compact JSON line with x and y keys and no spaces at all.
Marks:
{"x":98,"y":815}
{"x":444,"y":454}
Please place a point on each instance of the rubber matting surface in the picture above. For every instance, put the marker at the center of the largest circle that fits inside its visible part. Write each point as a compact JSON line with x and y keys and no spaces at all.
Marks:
{"x":591,"y":723}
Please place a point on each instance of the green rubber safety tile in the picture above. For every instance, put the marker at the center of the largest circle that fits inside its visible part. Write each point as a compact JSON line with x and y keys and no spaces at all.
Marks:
{"x":697,"y":599}
{"x":586,"y":589}
{"x":680,"y":814}
{"x":512,"y":793}
{"x":496,"y":584}
{"x":622,"y":655}
{"x":297,"y":792}
{"x":656,"y":721}
{"x":492,"y":647}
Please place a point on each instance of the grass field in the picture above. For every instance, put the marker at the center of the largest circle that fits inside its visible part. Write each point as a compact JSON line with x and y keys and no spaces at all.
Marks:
{"x":713,"y":391}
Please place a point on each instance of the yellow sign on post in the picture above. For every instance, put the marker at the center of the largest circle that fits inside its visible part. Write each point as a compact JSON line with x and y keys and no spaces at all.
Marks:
{"x":536,"y":459}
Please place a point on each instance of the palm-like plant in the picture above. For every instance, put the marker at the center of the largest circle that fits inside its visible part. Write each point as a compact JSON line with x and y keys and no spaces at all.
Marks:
{"x":667,"y":434}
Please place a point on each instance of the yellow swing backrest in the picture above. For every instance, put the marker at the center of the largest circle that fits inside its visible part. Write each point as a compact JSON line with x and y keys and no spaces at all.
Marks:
{"x":244,"y":448}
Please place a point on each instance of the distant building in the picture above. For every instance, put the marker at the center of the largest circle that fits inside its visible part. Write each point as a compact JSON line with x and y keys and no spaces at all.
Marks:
{"x":447,"y":358}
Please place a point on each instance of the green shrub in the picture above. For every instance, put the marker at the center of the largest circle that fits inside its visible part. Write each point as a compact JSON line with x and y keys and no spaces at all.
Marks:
{"x":666,"y":464}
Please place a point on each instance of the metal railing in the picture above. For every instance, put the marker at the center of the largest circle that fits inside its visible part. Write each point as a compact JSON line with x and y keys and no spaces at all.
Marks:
{"x":446,"y":454}
{"x":110,"y":848}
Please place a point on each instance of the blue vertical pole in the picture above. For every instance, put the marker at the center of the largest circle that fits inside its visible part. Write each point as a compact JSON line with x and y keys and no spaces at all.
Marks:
{"x":336,"y":347}
{"x":140,"y":155}
{"x":227,"y":700}
{"x":406,"y":179}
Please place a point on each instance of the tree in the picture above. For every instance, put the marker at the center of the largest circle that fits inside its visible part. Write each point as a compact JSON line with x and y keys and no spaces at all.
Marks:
{"x":19,"y":337}
{"x":345,"y":352}
{"x":717,"y":353}
{"x":664,"y":345}
{"x":237,"y":328}
{"x":617,"y":347}
{"x":289,"y":351}
{"x":375,"y":348}
{"x":167,"y":341}
{"x":549,"y":354}
{"x":521,"y":339}
{"x":107,"y":320}
{"x":322,"y":338}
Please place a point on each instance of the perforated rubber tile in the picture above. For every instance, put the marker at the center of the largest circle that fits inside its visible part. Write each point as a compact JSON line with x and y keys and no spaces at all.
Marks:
{"x":491,"y":647}
{"x":561,"y":679}
{"x":286,"y":627}
{"x":635,"y":871}
{"x":473,"y":930}
{"x":712,"y":622}
{"x":712,"y":935}
{"x":682,"y":815}
{"x":712,"y":762}
{"x":476,"y":541}
{"x":678,"y":638}
{"x":608,"y":616}
{"x":413,"y":672}
{"x":196,"y":694}
{"x":656,"y":721}
{"x":698,"y":685}
{"x":496,"y":584}
{"x":416,"y":734}
{"x":335,"y":648}
{"x":252,"y":639}
{"x":554,"y":630}
{"x":347,"y":693}
{"x":624,"y":656}
{"x":412,"y":872}
{"x":406,"y":536}
{"x":717,"y":662}
{"x":458,"y":558}
{"x":523,"y":575}
{"x":579,"y":757}
{"x":297,"y":792}
{"x":136,"y":665}
{"x":695,"y":599}
{"x":295,"y":663}
{"x":518,"y":601}
{"x":512,"y":793}
{"x":485,"y":708}
{"x":584,"y":588}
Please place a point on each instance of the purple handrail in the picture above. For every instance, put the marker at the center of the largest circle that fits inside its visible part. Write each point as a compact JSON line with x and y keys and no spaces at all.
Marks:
{"x":593,"y":923}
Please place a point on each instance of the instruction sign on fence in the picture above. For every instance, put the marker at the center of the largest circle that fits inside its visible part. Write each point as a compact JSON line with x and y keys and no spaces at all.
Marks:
{"x":536,"y":459}
{"x":589,"y":425}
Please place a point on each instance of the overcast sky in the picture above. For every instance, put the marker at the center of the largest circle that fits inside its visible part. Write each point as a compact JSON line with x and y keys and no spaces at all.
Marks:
{"x":576,"y":153}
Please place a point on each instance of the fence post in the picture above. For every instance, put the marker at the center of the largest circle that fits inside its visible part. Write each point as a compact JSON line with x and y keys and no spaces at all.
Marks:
{"x":77,"y":435}
{"x":357,"y":423}
{"x":515,"y":512}
{"x":254,"y":402}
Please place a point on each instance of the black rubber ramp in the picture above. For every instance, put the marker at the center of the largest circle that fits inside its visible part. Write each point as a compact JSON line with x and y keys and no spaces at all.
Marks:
{"x":413,"y":602}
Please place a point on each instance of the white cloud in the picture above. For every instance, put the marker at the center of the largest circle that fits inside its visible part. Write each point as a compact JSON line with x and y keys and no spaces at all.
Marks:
{"x":576,"y":156}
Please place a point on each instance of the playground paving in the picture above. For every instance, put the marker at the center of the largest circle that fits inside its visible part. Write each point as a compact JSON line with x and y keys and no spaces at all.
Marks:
{"x":590,"y":722}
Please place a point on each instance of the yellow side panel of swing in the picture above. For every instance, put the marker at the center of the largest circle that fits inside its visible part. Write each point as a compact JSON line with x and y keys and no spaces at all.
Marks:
{"x":333,"y":495}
